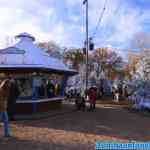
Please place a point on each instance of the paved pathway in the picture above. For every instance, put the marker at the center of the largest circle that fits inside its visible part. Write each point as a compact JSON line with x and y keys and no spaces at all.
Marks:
{"x":73,"y":130}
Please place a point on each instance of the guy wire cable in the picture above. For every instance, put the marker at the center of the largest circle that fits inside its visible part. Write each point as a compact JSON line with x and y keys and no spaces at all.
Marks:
{"x":100,"y":19}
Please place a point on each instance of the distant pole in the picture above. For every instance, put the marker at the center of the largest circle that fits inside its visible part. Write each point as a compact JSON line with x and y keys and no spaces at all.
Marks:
{"x":87,"y":44}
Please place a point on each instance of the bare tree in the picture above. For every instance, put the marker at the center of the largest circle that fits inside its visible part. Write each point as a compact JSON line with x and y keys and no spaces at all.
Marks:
{"x":76,"y":57}
{"x":52,"y":48}
{"x":139,"y":62}
{"x":108,"y":61}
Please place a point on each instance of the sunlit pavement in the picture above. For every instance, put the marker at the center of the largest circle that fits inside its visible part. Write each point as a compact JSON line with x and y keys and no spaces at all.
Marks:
{"x":73,"y":130}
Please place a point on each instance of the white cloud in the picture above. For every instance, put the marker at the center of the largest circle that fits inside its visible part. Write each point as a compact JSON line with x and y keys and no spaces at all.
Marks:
{"x":16,"y":19}
{"x":126,"y":26}
{"x":73,"y":3}
{"x":43,"y":19}
{"x":120,"y":22}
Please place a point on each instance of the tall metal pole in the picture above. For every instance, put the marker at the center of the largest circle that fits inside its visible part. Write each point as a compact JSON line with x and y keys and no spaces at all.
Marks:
{"x":87,"y":47}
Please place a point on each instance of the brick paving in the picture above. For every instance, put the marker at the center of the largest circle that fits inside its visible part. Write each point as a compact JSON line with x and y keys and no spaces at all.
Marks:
{"x":77,"y":130}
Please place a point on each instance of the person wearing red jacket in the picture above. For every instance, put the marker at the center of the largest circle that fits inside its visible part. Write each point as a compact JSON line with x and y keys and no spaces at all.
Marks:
{"x":92,"y":98}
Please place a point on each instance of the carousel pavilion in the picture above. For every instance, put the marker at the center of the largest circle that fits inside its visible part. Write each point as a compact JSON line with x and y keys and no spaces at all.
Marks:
{"x":40,"y":78}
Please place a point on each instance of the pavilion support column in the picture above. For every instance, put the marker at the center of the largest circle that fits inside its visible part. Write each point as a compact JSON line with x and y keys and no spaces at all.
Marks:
{"x":63,"y":85}
{"x":34,"y":97}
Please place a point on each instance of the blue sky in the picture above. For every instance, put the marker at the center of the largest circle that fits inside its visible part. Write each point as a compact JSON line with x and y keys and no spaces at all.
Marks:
{"x":63,"y":21}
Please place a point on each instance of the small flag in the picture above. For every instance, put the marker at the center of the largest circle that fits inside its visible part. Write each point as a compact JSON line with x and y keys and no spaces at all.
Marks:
{"x":84,"y":2}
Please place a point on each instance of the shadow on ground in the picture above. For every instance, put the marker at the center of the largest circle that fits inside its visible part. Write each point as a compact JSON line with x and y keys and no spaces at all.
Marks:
{"x":110,"y":121}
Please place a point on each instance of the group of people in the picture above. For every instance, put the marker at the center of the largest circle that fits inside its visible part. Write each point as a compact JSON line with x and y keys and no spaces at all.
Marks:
{"x":8,"y":95}
{"x":46,"y":88}
{"x":119,"y":90}
{"x":90,"y":95}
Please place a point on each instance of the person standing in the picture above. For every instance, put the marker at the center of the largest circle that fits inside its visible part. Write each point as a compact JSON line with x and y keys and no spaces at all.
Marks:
{"x":115,"y":91}
{"x":80,"y":102}
{"x":50,"y":89}
{"x":125,"y":91}
{"x":37,"y":82}
{"x":57,"y":89}
{"x":101,"y":88}
{"x":92,"y":98}
{"x":13,"y":94}
{"x":4,"y":92}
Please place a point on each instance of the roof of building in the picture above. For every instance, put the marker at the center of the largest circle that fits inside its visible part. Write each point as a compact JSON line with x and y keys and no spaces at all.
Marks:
{"x":26,"y":54}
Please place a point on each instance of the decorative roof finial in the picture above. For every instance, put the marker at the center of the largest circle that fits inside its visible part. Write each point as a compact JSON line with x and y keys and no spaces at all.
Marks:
{"x":25,"y":34}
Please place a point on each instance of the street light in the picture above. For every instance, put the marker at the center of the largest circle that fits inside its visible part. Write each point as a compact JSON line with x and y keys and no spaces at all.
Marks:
{"x":87,"y":45}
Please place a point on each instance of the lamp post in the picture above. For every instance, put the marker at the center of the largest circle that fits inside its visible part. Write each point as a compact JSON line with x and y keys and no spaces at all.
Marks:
{"x":87,"y":45}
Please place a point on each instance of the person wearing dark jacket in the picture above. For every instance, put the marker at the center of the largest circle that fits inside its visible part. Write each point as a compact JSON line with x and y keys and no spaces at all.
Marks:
{"x":13,"y":94}
{"x":4,"y":93}
{"x":80,"y":102}
{"x":50,"y":89}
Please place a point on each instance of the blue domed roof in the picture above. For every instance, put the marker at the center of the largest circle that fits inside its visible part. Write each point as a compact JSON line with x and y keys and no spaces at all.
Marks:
{"x":26,"y":54}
